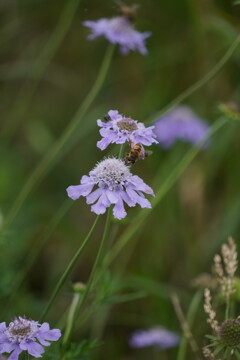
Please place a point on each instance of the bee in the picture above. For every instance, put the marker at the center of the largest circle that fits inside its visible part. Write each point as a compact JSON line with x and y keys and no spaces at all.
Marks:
{"x":136,"y":153}
{"x":107,"y":118}
{"x":129,"y":12}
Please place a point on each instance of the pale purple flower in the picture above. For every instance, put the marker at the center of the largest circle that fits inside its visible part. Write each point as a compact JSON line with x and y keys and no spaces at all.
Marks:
{"x":111,"y":183}
{"x":157,"y":336}
{"x":119,"y":30}
{"x":26,"y":335}
{"x":120,"y":129}
{"x":180,"y":124}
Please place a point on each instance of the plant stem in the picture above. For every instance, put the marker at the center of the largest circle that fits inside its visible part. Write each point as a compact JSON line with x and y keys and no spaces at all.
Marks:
{"x":227,"y":307}
{"x":200,"y":83}
{"x":55,"y":152}
{"x":97,"y":260}
{"x":71,"y":316}
{"x":69,"y":269}
{"x":139,"y":220}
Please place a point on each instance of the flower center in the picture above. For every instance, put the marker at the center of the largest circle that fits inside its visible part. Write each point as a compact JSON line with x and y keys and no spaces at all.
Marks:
{"x":121,"y":25}
{"x":111,"y":172}
{"x":21,"y":329}
{"x":127,"y":124}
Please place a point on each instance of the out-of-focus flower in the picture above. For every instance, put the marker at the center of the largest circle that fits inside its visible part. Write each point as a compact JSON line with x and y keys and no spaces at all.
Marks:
{"x":119,"y":30}
{"x":115,"y":185}
{"x":180,"y":124}
{"x":157,"y":336}
{"x":26,"y":335}
{"x":119,"y":129}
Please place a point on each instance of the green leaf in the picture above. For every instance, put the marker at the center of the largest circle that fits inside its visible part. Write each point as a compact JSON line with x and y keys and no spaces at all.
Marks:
{"x":237,"y":353}
{"x":218,"y":349}
{"x":211,"y":337}
{"x":227,"y":352}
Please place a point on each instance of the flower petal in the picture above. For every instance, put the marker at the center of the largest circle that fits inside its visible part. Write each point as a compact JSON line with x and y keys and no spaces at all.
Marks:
{"x":75,"y":191}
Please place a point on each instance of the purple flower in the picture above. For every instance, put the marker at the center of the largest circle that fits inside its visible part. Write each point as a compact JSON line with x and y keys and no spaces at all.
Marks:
{"x":26,"y":335}
{"x":115,"y":185}
{"x":119,"y":30}
{"x":120,"y":129}
{"x":180,"y":123}
{"x":157,"y":336}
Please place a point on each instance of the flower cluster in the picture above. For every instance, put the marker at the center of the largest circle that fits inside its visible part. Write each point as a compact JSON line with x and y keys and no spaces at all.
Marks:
{"x":26,"y":335}
{"x":119,"y":30}
{"x":157,"y":336}
{"x":115,"y":185}
{"x":180,"y":124}
{"x":119,"y":129}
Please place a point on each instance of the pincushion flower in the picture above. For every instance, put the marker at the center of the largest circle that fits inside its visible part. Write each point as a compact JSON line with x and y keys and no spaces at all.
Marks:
{"x":158,"y":336}
{"x":119,"y":30}
{"x":180,"y":124}
{"x":120,"y":129}
{"x":111,"y":183}
{"x":26,"y":335}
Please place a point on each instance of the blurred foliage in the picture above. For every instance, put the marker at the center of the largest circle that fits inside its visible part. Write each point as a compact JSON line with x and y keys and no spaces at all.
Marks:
{"x":47,"y":68}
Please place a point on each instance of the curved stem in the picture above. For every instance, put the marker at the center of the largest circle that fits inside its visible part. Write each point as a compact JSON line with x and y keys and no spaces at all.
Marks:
{"x":132,"y":229}
{"x":200,"y":83}
{"x":55,"y":152}
{"x":69,"y":269}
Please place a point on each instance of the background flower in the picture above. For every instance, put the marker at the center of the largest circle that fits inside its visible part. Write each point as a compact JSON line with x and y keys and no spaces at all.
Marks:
{"x":180,"y":124}
{"x":158,"y":336}
{"x":115,"y":185}
{"x":120,"y":129}
{"x":119,"y":30}
{"x":26,"y":335}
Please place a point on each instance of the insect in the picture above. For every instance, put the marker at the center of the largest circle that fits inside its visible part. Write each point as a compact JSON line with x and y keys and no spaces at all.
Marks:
{"x":136,"y":153}
{"x":107,"y":118}
{"x":129,"y":12}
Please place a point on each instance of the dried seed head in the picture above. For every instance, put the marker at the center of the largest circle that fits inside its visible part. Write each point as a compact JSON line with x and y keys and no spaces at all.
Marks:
{"x":230,"y":332}
{"x":209,"y":311}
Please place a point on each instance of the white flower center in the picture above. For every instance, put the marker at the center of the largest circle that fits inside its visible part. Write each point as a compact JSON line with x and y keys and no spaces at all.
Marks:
{"x":111,"y":172}
{"x":21,"y":330}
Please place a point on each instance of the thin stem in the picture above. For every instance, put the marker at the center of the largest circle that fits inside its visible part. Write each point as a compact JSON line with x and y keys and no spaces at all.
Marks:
{"x":192,"y":311}
{"x":185,"y":327}
{"x":200,"y":83}
{"x":69,"y":269}
{"x":56,"y":151}
{"x":38,"y":68}
{"x":227,"y":307}
{"x":132,"y":229}
{"x":121,"y":152}
{"x":71,"y":316}
{"x":97,"y":260}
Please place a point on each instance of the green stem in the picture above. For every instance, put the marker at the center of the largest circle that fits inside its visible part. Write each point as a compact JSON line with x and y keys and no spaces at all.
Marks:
{"x":71,"y":317}
{"x":139,"y":220}
{"x":192,"y":311}
{"x":200,"y":83}
{"x":69,"y":269}
{"x":38,"y":68}
{"x":55,"y":152}
{"x":97,"y":260}
{"x":227,"y":307}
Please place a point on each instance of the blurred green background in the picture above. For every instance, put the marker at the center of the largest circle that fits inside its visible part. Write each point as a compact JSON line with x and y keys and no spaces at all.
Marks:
{"x":47,"y":68}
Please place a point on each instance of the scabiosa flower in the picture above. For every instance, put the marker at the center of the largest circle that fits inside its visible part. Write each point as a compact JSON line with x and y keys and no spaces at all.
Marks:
{"x":115,"y":185}
{"x":120,"y":129}
{"x":180,"y":123}
{"x":26,"y":335}
{"x":119,"y":30}
{"x":157,"y":336}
